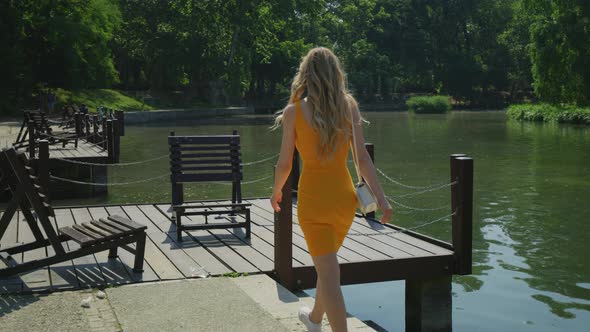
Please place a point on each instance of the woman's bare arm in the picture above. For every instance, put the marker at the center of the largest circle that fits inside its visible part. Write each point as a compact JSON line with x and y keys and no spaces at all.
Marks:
{"x":283,"y":168}
{"x":367,"y":168}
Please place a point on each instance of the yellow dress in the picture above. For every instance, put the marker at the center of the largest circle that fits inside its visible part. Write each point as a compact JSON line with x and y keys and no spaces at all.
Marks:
{"x":326,"y":199}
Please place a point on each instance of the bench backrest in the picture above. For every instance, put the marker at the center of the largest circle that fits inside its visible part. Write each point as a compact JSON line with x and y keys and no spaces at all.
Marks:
{"x":205,"y":159}
{"x":17,"y":167}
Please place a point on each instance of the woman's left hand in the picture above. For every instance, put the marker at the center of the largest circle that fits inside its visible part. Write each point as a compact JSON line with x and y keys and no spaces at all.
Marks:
{"x":275,"y":199}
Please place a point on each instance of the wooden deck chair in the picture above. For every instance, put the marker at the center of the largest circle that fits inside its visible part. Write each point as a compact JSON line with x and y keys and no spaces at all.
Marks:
{"x":206,"y":159}
{"x":98,"y":235}
{"x":42,"y":130}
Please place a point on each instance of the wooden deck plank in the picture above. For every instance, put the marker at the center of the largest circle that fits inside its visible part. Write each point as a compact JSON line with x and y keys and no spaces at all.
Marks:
{"x":345,"y":254}
{"x":87,"y":270}
{"x":205,"y":259}
{"x":298,"y":240}
{"x":12,"y":284}
{"x":10,"y":235}
{"x":63,"y":275}
{"x":405,"y":238}
{"x":112,"y":269}
{"x":240,"y":246}
{"x":358,"y":228}
{"x":35,"y":280}
{"x":206,"y":239}
{"x":165,"y":257}
{"x":126,"y":258}
{"x":258,"y":242}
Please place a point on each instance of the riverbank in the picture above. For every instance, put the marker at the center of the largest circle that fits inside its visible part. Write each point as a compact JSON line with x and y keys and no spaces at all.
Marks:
{"x":549,"y":113}
{"x":252,"y":303}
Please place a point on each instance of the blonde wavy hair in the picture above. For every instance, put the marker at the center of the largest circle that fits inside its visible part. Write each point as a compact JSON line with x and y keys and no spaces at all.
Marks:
{"x":322,"y":79}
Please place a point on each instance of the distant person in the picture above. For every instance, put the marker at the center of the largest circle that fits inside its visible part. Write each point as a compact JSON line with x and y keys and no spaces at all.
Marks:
{"x":84,"y":109}
{"x":51,"y":101}
{"x":321,"y":120}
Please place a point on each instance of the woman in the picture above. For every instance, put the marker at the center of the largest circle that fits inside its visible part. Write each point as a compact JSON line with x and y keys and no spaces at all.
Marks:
{"x":318,"y":121}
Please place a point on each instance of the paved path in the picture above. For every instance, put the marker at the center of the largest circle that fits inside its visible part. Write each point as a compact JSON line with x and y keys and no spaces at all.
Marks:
{"x":253,"y":303}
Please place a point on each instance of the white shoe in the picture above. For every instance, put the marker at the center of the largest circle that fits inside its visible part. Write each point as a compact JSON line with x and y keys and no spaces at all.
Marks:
{"x":304,"y":313}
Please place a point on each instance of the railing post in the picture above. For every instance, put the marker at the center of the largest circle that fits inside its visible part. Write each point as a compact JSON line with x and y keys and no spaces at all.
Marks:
{"x":283,"y":224}
{"x":43,"y":166}
{"x":31,"y":139}
{"x":462,"y":206}
{"x":120,"y":115}
{"x":116,"y":140}
{"x":104,"y":133}
{"x":110,"y":142}
{"x":177,"y":189}
{"x":78,"y":124}
{"x":87,"y":123}
{"x":95,"y":138}
{"x":371,"y":150}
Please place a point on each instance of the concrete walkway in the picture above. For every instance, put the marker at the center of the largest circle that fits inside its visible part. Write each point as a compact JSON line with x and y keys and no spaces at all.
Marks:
{"x":253,"y":303}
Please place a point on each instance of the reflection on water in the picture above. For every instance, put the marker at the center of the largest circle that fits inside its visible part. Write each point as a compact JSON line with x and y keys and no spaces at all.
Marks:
{"x":531,"y":230}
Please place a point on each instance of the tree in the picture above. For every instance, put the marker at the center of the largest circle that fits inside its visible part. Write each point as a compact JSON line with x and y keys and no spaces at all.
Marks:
{"x":560,"y":50}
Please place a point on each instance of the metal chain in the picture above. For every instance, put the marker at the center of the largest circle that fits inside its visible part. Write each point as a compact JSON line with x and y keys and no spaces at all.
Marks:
{"x":426,"y":190}
{"x":147,"y":180}
{"x":108,"y":184}
{"x":260,"y":161}
{"x":405,"y":229}
{"x":118,"y":164}
{"x":131,"y":163}
{"x":405,"y":185}
{"x":414,"y":208}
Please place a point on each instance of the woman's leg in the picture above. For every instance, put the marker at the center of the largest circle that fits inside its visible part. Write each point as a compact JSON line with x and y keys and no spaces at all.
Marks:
{"x":332,"y":300}
{"x":317,"y":314}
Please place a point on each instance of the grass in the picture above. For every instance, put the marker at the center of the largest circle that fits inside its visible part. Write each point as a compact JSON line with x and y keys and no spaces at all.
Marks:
{"x":429,"y":104}
{"x":100,"y":97}
{"x":549,"y":113}
{"x":121,"y":100}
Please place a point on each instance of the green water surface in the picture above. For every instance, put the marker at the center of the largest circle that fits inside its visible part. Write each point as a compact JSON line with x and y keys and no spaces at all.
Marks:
{"x":531,"y":207}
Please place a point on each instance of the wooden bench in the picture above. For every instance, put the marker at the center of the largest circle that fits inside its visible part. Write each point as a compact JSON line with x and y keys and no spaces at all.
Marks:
{"x":37,"y":125}
{"x":94,"y":236}
{"x":206,"y":159}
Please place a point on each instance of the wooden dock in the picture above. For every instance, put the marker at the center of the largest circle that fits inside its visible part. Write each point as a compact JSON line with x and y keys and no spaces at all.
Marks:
{"x":202,"y":252}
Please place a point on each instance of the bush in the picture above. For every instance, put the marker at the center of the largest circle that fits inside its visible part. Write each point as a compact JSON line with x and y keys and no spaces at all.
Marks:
{"x":429,"y":104}
{"x":549,"y":113}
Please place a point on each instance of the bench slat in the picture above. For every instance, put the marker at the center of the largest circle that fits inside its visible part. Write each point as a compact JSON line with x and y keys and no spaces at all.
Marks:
{"x":126,"y":222}
{"x":80,"y":238}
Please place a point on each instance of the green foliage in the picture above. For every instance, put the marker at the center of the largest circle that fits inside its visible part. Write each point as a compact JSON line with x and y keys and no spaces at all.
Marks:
{"x":560,"y":50}
{"x":429,"y":104}
{"x":549,"y":113}
{"x":97,"y":97}
{"x":482,"y":53}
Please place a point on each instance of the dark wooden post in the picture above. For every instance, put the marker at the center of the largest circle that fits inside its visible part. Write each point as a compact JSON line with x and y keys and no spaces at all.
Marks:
{"x":120,"y":115}
{"x":462,"y":205}
{"x":95,"y":138}
{"x":177,"y":188}
{"x":371,"y":150}
{"x":31,"y":139}
{"x":43,"y":166}
{"x":296,"y":172}
{"x":110,"y":142}
{"x":78,"y":124}
{"x":284,"y":237}
{"x":104,"y":132}
{"x":429,"y":304}
{"x":87,"y":123}
{"x":234,"y":185}
{"x":116,"y":140}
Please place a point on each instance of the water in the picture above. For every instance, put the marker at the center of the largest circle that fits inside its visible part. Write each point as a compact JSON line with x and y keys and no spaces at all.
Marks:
{"x":531,"y":213}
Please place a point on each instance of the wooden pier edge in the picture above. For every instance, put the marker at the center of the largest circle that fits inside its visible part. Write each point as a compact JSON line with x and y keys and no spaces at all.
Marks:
{"x":428,"y":286}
